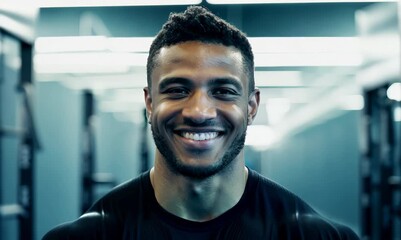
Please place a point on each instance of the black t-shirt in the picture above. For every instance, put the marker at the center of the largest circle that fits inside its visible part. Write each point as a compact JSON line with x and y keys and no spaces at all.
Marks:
{"x":265,"y":211}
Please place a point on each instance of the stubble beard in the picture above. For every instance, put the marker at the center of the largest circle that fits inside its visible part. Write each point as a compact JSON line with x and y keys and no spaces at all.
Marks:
{"x":176,"y":165}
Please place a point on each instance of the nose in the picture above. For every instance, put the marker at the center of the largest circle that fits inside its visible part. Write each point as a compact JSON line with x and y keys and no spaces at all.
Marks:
{"x":199,"y":108}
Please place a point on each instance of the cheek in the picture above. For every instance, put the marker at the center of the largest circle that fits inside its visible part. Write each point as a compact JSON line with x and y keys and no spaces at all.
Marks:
{"x":237,"y":115}
{"x":163,"y":112}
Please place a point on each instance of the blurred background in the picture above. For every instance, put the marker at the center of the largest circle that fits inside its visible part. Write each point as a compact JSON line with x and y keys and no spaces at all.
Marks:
{"x":72,"y":122}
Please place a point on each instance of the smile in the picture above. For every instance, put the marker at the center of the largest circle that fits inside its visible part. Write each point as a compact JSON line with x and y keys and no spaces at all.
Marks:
{"x":200,"y":136}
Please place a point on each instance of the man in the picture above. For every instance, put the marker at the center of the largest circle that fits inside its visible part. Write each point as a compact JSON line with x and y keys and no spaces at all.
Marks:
{"x":200,"y":99}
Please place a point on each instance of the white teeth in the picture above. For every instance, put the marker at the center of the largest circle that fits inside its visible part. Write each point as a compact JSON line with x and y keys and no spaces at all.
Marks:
{"x":200,"y":136}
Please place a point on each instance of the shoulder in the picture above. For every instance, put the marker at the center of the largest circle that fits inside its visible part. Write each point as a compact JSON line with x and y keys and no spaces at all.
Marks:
{"x":279,"y":199}
{"x":85,"y":227}
{"x":314,"y":226}
{"x":106,"y":216}
{"x":294,"y":217}
{"x":125,"y":192}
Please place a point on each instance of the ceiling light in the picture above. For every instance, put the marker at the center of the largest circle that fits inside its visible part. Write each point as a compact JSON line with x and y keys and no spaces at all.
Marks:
{"x":394,"y":92}
{"x":86,"y":62}
{"x":397,"y":114}
{"x":278,"y":79}
{"x":304,"y":44}
{"x":70,"y":44}
{"x":351,"y":102}
{"x":137,"y":44}
{"x":101,"y":82}
{"x":306,"y":51}
{"x":307,"y":59}
{"x":83,"y":51}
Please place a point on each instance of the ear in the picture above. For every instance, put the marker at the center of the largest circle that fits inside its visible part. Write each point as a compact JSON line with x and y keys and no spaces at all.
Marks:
{"x":148,"y":101}
{"x":253,"y":105}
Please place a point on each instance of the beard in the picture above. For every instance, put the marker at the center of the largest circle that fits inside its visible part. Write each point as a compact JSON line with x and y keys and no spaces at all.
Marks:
{"x":176,"y":165}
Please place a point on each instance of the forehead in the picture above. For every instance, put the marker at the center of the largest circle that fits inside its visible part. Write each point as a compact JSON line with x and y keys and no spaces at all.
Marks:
{"x":200,"y":59}
{"x":213,"y":53}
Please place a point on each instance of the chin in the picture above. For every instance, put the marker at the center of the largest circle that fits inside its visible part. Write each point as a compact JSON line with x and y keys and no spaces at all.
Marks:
{"x":198,"y":172}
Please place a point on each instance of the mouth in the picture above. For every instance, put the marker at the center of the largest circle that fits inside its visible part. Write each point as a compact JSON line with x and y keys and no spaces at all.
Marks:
{"x":204,"y":136}
{"x":197,"y":139}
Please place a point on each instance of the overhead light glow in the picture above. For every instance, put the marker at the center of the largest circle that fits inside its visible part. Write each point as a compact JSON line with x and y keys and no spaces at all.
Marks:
{"x":307,"y":59}
{"x":304,"y":44}
{"x":83,"y":51}
{"x":278,"y":79}
{"x":394,"y":92}
{"x":276,"y":109}
{"x":110,"y":3}
{"x":137,"y":44}
{"x":352,"y":102}
{"x":70,"y":44}
{"x":98,"y":62}
{"x":101,"y":82}
{"x":260,"y":137}
{"x":288,"y":1}
{"x":92,"y":43}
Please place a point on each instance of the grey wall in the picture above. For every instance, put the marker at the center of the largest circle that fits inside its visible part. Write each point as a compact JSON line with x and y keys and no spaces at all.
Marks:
{"x":58,"y":114}
{"x":321,"y":165}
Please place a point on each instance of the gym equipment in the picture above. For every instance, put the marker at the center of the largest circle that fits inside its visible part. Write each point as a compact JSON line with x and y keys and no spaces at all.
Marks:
{"x":89,"y":177}
{"x":25,"y":132}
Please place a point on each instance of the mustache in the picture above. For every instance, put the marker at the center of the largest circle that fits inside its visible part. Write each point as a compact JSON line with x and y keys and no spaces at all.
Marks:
{"x":205,"y":123}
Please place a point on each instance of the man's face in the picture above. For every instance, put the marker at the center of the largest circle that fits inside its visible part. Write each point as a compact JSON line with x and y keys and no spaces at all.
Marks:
{"x":199,"y":107}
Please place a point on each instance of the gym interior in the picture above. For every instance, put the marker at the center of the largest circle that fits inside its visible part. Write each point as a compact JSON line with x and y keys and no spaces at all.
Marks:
{"x":72,"y":112}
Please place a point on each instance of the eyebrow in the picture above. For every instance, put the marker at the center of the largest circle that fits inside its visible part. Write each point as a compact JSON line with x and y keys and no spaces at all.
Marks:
{"x":227,"y":80}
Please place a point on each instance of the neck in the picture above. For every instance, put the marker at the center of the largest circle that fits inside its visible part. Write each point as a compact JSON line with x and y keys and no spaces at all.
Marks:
{"x":199,"y":199}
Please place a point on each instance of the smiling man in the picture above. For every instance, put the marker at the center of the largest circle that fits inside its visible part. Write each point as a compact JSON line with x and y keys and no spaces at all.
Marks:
{"x":200,"y":99}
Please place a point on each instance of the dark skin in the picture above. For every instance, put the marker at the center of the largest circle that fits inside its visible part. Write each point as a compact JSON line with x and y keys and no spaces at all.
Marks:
{"x":199,"y":107}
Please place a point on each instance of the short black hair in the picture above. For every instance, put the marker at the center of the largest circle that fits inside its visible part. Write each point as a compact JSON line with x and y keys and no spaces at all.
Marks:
{"x":197,"y":23}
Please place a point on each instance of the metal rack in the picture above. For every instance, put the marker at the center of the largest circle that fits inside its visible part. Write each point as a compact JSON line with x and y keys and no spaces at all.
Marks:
{"x":90,"y":178}
{"x":379,"y":32}
{"x":381,"y":168}
{"x":23,"y":210}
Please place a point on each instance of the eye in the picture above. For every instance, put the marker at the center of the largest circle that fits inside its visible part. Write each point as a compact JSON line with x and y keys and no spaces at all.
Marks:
{"x":177,"y":92}
{"x":225,"y":93}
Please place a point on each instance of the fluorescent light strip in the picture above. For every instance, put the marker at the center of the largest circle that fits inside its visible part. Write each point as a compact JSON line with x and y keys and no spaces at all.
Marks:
{"x":394,"y":92}
{"x":71,"y":44}
{"x":82,"y":53}
{"x":92,"y":43}
{"x":101,"y":82}
{"x":397,"y":114}
{"x":104,"y":3}
{"x":278,"y":79}
{"x":101,"y":62}
{"x":133,"y":44}
{"x":304,"y":44}
{"x":142,"y":44}
{"x":289,"y":1}
{"x":131,"y":59}
{"x":307,"y":59}
{"x":260,"y":137}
